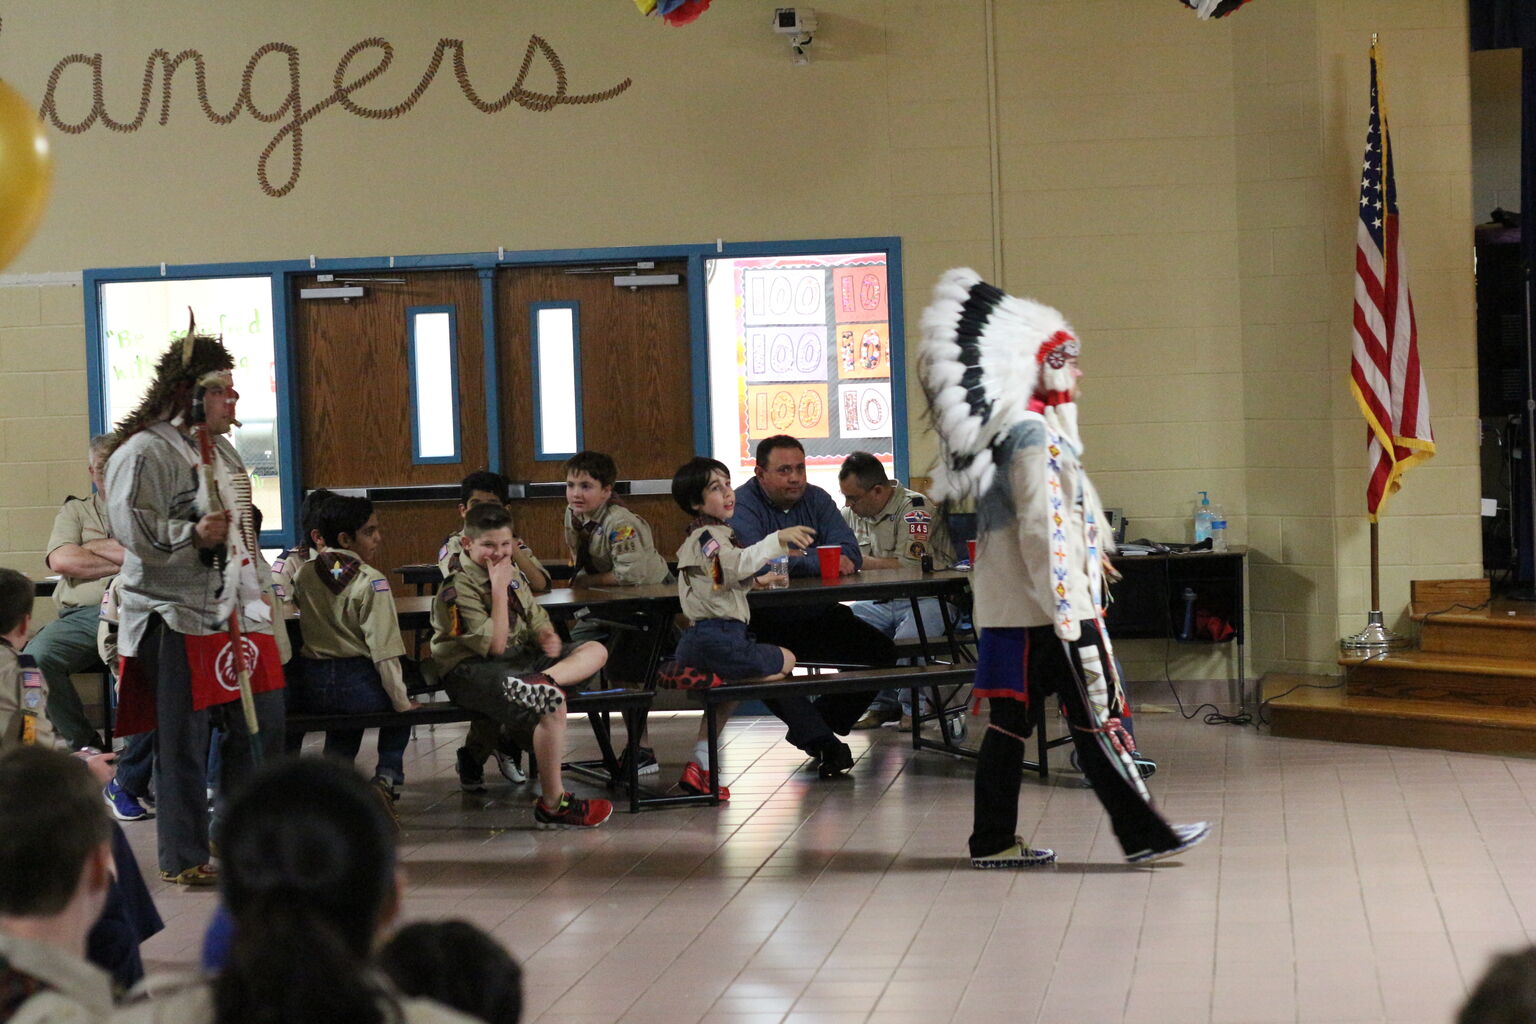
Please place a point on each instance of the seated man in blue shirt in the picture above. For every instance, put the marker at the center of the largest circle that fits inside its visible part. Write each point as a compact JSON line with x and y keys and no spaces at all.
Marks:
{"x":778,"y":496}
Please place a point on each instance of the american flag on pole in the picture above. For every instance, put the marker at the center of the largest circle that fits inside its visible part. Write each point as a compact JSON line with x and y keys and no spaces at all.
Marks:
{"x":1384,"y":372}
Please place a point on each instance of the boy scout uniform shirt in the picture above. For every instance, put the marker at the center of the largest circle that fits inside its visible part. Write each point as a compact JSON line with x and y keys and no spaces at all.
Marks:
{"x":359,"y":621}
{"x":72,"y":991}
{"x":284,"y":571}
{"x":906,"y":529}
{"x":24,"y":703}
{"x":461,"y":616}
{"x":79,"y":520}
{"x":701,"y":594}
{"x":614,"y":540}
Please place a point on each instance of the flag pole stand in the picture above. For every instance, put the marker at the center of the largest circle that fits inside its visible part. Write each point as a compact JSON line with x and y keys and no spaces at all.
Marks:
{"x":1375,"y":638}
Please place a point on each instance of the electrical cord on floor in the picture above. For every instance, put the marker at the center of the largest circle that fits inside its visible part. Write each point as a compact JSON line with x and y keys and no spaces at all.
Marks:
{"x":1215,"y":716}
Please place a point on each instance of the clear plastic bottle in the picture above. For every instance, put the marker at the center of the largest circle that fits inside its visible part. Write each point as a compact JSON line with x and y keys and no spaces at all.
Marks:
{"x":1203,"y":517}
{"x":1218,"y":529}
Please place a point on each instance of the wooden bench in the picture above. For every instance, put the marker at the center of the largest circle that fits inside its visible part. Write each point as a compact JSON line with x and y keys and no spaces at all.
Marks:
{"x":854,"y":681}
{"x":597,"y":706}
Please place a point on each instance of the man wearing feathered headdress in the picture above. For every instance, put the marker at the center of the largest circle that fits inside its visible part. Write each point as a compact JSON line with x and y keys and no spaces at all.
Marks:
{"x":181,"y":506}
{"x":1001,"y":377}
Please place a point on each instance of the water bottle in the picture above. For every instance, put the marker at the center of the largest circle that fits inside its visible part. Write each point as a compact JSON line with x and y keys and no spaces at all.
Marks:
{"x":1203,"y":517}
{"x":1218,"y":529}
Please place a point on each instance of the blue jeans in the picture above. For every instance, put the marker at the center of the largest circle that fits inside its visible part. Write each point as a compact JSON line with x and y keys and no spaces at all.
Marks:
{"x":65,"y":646}
{"x":895,"y":620}
{"x":350,"y":686}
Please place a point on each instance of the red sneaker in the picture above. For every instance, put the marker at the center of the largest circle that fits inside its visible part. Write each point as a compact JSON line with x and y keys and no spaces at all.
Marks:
{"x":697,"y":781}
{"x":571,"y":812}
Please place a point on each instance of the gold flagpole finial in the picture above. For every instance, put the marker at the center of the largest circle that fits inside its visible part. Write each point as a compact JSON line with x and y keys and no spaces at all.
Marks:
{"x":1375,"y":38}
{"x":186,"y":344}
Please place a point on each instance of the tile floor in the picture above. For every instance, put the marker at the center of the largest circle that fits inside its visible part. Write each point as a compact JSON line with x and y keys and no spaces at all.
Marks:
{"x":1343,"y":883}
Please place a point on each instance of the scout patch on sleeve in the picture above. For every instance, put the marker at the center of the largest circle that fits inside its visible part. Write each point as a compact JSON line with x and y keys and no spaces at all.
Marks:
{"x":280,"y":590}
{"x":709,"y":545}
{"x":622,"y":539}
{"x":916,"y":550}
{"x":382,"y":586}
{"x":277,"y":566}
{"x":917,"y":521}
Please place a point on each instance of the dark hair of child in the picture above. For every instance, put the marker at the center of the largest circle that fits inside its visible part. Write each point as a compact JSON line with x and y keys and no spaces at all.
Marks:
{"x":485,"y":518}
{"x":16,"y":594}
{"x":51,"y":818}
{"x":482,"y":480}
{"x":1507,"y":992}
{"x":691,"y":478}
{"x":343,"y":514}
{"x":309,"y":877}
{"x":458,"y":965}
{"x":309,"y":515}
{"x":597,"y":465}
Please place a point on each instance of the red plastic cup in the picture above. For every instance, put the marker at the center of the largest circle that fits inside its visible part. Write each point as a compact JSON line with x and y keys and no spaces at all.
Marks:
{"x":831,"y":557}
{"x":970,"y":547}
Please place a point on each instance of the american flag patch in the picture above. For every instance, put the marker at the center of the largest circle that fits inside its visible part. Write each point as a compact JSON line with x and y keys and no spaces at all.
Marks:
{"x":381,"y":585}
{"x":277,"y":566}
{"x":31,"y":678}
{"x":710,"y":546}
{"x":277,"y":588}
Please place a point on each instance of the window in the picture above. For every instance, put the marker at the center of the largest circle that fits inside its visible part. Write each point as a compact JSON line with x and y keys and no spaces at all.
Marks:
{"x":432,"y":340}
{"x":803,"y":345}
{"x":556,"y":380}
{"x":138,"y":320}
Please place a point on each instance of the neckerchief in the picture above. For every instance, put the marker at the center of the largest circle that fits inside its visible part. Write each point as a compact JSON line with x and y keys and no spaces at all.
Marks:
{"x":336,"y":571}
{"x":582,"y":556}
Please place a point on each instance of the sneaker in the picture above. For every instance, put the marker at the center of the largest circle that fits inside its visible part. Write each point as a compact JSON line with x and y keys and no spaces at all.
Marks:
{"x":535,"y":692}
{"x":836,"y":759}
{"x":875,"y":717}
{"x":1016,"y":856}
{"x":471,"y":775}
{"x":1144,"y":764}
{"x":124,"y":805}
{"x":645,"y":766}
{"x":199,"y":875}
{"x":509,"y":763}
{"x":385,"y":790}
{"x":572,"y":812}
{"x":696,"y":781}
{"x":1187,"y":836}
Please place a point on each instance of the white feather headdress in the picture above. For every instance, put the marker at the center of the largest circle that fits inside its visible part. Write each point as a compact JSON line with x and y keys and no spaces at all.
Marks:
{"x":984,"y":354}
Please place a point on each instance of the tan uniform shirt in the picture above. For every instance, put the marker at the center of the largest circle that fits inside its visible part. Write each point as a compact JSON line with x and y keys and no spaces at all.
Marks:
{"x":79,"y":520}
{"x":714,"y":575}
{"x":187,"y":998}
{"x":78,"y":992}
{"x":461,"y":616}
{"x":23,"y":689}
{"x":284,"y":571}
{"x":907,"y":528}
{"x":614,"y":540}
{"x":359,"y":622}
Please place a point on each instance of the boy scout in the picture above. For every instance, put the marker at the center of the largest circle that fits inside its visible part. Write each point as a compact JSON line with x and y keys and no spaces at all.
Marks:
{"x":499,"y":656}
{"x":55,"y":876}
{"x":351,"y":658}
{"x":610,"y":545}
{"x":714,"y":573}
{"x":480,"y":488}
{"x":86,"y":557}
{"x":896,"y":528}
{"x":286,"y":568}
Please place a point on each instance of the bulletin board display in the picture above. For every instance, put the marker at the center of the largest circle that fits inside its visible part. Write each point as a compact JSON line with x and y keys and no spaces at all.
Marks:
{"x":801,"y":345}
{"x":139,"y":320}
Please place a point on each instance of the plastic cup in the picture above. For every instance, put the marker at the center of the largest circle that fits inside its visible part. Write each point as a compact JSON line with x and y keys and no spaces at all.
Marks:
{"x":778,"y":573}
{"x":830,"y":556}
{"x":970,"y":549}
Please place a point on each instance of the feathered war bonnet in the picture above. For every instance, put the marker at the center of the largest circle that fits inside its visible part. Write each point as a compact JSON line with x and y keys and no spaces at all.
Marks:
{"x":984,"y":358}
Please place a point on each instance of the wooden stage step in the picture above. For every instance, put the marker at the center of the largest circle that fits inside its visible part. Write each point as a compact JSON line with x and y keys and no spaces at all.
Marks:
{"x":1313,"y":712}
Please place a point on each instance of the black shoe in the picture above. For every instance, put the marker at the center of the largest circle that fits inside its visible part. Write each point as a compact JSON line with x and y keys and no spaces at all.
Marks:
{"x":836,"y":759}
{"x":645,"y":765}
{"x":471,"y":775}
{"x":1144,"y":764}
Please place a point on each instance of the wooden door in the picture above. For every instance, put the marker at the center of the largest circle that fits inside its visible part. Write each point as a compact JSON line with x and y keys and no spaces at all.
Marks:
{"x":635,"y":388}
{"x":354,"y":391}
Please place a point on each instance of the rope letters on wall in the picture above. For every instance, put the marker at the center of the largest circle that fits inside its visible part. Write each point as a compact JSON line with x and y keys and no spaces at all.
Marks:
{"x":291,"y":113}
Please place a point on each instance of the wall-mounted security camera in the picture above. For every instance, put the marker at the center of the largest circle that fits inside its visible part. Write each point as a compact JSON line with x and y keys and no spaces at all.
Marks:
{"x":798,"y":25}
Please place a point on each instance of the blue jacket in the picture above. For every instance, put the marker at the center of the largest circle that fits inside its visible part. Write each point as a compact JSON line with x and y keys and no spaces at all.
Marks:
{"x":756,"y":517}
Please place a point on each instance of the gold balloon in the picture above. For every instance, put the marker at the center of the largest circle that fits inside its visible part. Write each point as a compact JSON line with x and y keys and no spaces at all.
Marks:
{"x":25,"y":168}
